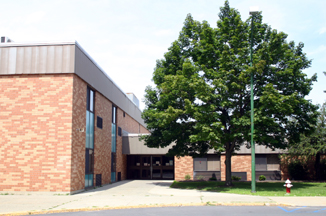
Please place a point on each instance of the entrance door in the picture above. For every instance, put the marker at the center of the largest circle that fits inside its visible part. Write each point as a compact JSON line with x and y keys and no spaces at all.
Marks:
{"x":146,"y":166}
{"x":150,"y":167}
{"x":157,"y":167}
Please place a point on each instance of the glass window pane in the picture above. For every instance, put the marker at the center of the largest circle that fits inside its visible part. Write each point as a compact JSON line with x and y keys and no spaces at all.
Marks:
{"x":114,"y":110}
{"x":200,"y":164}
{"x":91,"y":101}
{"x":156,"y":173}
{"x":146,"y":161}
{"x":168,"y":174}
{"x":113,"y":140}
{"x":112,"y":176}
{"x":261,"y":162}
{"x":87,"y":129}
{"x":157,"y":161}
{"x":273,"y":163}
{"x":146,"y":173}
{"x":113,"y":162}
{"x":167,"y":161}
{"x":90,"y":180}
{"x":213,"y":162}
{"x":86,"y":180}
{"x":91,"y":120}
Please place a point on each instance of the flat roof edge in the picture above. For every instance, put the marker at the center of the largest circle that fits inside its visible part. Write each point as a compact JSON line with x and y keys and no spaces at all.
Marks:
{"x":103,"y":71}
{"x":45,"y":43}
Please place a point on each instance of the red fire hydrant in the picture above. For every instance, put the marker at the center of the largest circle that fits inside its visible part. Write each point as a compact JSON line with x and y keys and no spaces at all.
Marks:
{"x":288,"y":186}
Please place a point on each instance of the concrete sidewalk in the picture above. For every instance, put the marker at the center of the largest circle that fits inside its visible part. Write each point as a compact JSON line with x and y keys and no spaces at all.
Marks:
{"x":136,"y":193}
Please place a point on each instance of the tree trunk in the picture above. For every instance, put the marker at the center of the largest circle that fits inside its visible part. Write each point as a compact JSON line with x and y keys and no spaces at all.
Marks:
{"x":228,"y":177}
{"x":317,"y":166}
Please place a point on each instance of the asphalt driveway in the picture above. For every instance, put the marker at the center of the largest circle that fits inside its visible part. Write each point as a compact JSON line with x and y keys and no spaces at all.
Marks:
{"x":135,"y":194}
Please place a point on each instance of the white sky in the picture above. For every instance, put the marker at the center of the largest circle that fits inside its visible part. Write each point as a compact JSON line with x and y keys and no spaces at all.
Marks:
{"x":127,"y":37}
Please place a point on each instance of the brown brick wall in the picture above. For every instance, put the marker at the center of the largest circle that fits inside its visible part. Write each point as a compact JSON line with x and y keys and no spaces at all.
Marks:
{"x":143,"y":129}
{"x":35,"y":125}
{"x":182,"y":167}
{"x":239,"y":163}
{"x":78,"y":138}
{"x":102,"y":140}
{"x":43,"y":118}
{"x":130,"y":125}
{"x":121,"y":160}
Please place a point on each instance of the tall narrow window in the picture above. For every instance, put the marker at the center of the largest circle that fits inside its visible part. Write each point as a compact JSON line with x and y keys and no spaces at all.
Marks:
{"x":89,"y":148}
{"x":113,"y":143}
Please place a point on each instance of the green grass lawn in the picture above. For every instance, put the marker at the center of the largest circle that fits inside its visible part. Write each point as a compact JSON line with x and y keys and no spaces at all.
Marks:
{"x":262,"y":188}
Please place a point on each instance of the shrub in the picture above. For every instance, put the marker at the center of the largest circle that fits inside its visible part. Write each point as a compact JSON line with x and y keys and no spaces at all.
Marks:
{"x":212,"y":178}
{"x":200,"y":177}
{"x":236,"y":178}
{"x":296,"y":170}
{"x":262,"y":178}
{"x":323,"y":169}
{"x":187,"y":177}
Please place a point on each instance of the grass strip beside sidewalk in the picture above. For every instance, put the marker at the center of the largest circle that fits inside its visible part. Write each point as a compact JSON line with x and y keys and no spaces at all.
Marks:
{"x":262,"y":188}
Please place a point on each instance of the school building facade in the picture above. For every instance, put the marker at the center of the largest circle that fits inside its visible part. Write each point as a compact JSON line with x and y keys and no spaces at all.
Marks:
{"x":66,"y":126}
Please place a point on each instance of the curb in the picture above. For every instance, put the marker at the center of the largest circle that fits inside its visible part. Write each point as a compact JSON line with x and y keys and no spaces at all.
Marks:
{"x":139,"y":206}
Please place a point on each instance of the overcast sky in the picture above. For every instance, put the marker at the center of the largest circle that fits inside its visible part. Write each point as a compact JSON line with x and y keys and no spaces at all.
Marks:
{"x":127,"y":37}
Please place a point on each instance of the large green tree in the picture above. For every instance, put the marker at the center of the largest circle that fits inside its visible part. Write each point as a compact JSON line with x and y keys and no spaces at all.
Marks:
{"x":201,"y":100}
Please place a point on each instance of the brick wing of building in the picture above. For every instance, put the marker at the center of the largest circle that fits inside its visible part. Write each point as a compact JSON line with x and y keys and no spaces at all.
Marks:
{"x":66,"y":126}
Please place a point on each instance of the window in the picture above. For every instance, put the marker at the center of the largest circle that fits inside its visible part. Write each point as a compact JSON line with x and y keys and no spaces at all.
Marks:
{"x":119,"y":131}
{"x":113,"y":143}
{"x":90,"y":100}
{"x":210,"y":162}
{"x":267,"y":162}
{"x":114,"y":115}
{"x":113,"y":161}
{"x":261,"y":162}
{"x":273,"y":162}
{"x":200,"y":164}
{"x":213,"y":163}
{"x":89,"y":147}
{"x":99,"y":122}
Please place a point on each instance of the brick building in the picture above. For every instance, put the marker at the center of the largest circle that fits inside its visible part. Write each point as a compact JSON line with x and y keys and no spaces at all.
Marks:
{"x":211,"y":164}
{"x":61,"y":119}
{"x":66,"y":126}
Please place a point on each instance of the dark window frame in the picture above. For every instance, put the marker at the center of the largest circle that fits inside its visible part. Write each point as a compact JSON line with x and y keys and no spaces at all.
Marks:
{"x":99,"y":122}
{"x":119,"y":131}
{"x":114,"y":114}
{"x":88,"y":101}
{"x":89,"y":152}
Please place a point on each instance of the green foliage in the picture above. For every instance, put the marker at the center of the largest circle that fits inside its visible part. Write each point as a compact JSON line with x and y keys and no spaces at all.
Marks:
{"x":187,"y":177}
{"x":313,"y":144}
{"x":201,"y":98}
{"x":262,"y":178}
{"x":236,"y":178}
{"x":323,"y":169}
{"x":213,"y":179}
{"x":200,"y":177}
{"x":296,"y":170}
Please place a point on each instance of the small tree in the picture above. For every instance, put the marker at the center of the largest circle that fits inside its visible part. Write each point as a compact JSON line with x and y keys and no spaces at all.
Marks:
{"x":202,"y":96}
{"x":314,"y":144}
